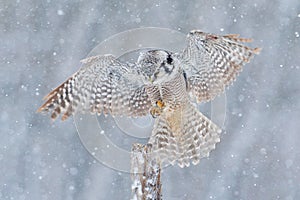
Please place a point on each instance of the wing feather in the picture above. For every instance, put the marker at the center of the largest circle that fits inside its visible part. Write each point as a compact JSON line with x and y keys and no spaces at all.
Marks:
{"x":212,"y":62}
{"x":102,"y":85}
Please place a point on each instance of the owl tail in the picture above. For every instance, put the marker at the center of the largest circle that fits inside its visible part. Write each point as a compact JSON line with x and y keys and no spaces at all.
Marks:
{"x":183,"y":135}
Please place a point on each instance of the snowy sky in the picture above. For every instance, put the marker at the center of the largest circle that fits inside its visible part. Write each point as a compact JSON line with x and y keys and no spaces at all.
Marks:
{"x":41,"y":44}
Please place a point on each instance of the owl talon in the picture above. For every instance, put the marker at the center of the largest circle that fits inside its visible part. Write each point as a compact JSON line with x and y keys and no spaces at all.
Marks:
{"x":156,"y":110}
{"x":160,"y":104}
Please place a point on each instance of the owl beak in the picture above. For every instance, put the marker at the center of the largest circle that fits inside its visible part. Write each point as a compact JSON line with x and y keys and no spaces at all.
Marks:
{"x":150,"y":79}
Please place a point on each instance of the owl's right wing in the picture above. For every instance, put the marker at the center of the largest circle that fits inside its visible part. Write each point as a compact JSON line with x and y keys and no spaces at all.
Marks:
{"x":212,"y":62}
{"x":102,"y":85}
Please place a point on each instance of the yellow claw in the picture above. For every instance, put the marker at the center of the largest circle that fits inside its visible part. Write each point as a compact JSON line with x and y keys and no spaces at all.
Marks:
{"x":160,"y":104}
{"x":156,"y":110}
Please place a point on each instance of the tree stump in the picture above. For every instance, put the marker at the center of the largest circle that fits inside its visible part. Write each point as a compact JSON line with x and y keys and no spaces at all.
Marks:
{"x":145,"y":173}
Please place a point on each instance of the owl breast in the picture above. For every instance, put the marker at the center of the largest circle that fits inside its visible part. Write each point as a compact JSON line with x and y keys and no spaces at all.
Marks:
{"x":172,"y":92}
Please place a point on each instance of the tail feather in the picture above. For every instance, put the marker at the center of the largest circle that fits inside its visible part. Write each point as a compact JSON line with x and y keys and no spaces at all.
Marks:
{"x":184,"y":136}
{"x":164,"y":141}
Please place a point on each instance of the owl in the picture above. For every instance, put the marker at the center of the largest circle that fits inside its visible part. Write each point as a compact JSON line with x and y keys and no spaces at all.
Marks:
{"x":163,"y":84}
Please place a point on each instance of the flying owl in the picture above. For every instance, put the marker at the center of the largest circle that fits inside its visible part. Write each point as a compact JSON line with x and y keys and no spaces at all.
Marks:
{"x":163,"y":84}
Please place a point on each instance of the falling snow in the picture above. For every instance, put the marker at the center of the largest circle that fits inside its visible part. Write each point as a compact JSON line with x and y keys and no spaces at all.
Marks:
{"x":42,"y":43}
{"x":60,"y":12}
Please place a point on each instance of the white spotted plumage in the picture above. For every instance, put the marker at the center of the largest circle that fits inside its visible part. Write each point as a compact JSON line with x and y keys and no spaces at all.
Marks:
{"x":163,"y":83}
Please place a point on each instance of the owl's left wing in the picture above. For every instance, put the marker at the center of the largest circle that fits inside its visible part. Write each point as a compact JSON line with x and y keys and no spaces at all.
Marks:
{"x":102,"y":85}
{"x":212,"y":62}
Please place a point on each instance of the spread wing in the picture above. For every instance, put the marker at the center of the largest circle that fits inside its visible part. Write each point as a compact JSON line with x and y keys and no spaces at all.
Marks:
{"x":102,"y":85}
{"x":212,"y":62}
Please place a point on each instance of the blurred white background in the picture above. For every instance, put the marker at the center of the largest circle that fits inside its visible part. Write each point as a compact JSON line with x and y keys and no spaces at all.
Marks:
{"x":41,"y":43}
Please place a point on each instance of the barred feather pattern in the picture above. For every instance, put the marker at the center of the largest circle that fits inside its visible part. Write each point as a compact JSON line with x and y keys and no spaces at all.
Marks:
{"x":172,"y":92}
{"x":183,"y":136}
{"x":102,"y":85}
{"x":212,"y":62}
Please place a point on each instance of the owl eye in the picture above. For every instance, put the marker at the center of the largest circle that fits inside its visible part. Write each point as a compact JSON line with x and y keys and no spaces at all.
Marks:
{"x":169,"y":60}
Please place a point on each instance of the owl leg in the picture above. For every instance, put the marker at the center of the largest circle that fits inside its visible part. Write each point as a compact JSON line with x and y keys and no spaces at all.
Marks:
{"x":157,"y":109}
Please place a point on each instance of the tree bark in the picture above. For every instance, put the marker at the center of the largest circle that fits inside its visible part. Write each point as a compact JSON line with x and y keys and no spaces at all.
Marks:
{"x":145,"y":173}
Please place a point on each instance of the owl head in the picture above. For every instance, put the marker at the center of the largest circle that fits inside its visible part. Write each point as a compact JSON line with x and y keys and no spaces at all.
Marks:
{"x":157,"y":66}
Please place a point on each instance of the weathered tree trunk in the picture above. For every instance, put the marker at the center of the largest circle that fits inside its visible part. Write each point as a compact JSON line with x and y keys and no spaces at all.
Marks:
{"x":145,"y":171}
